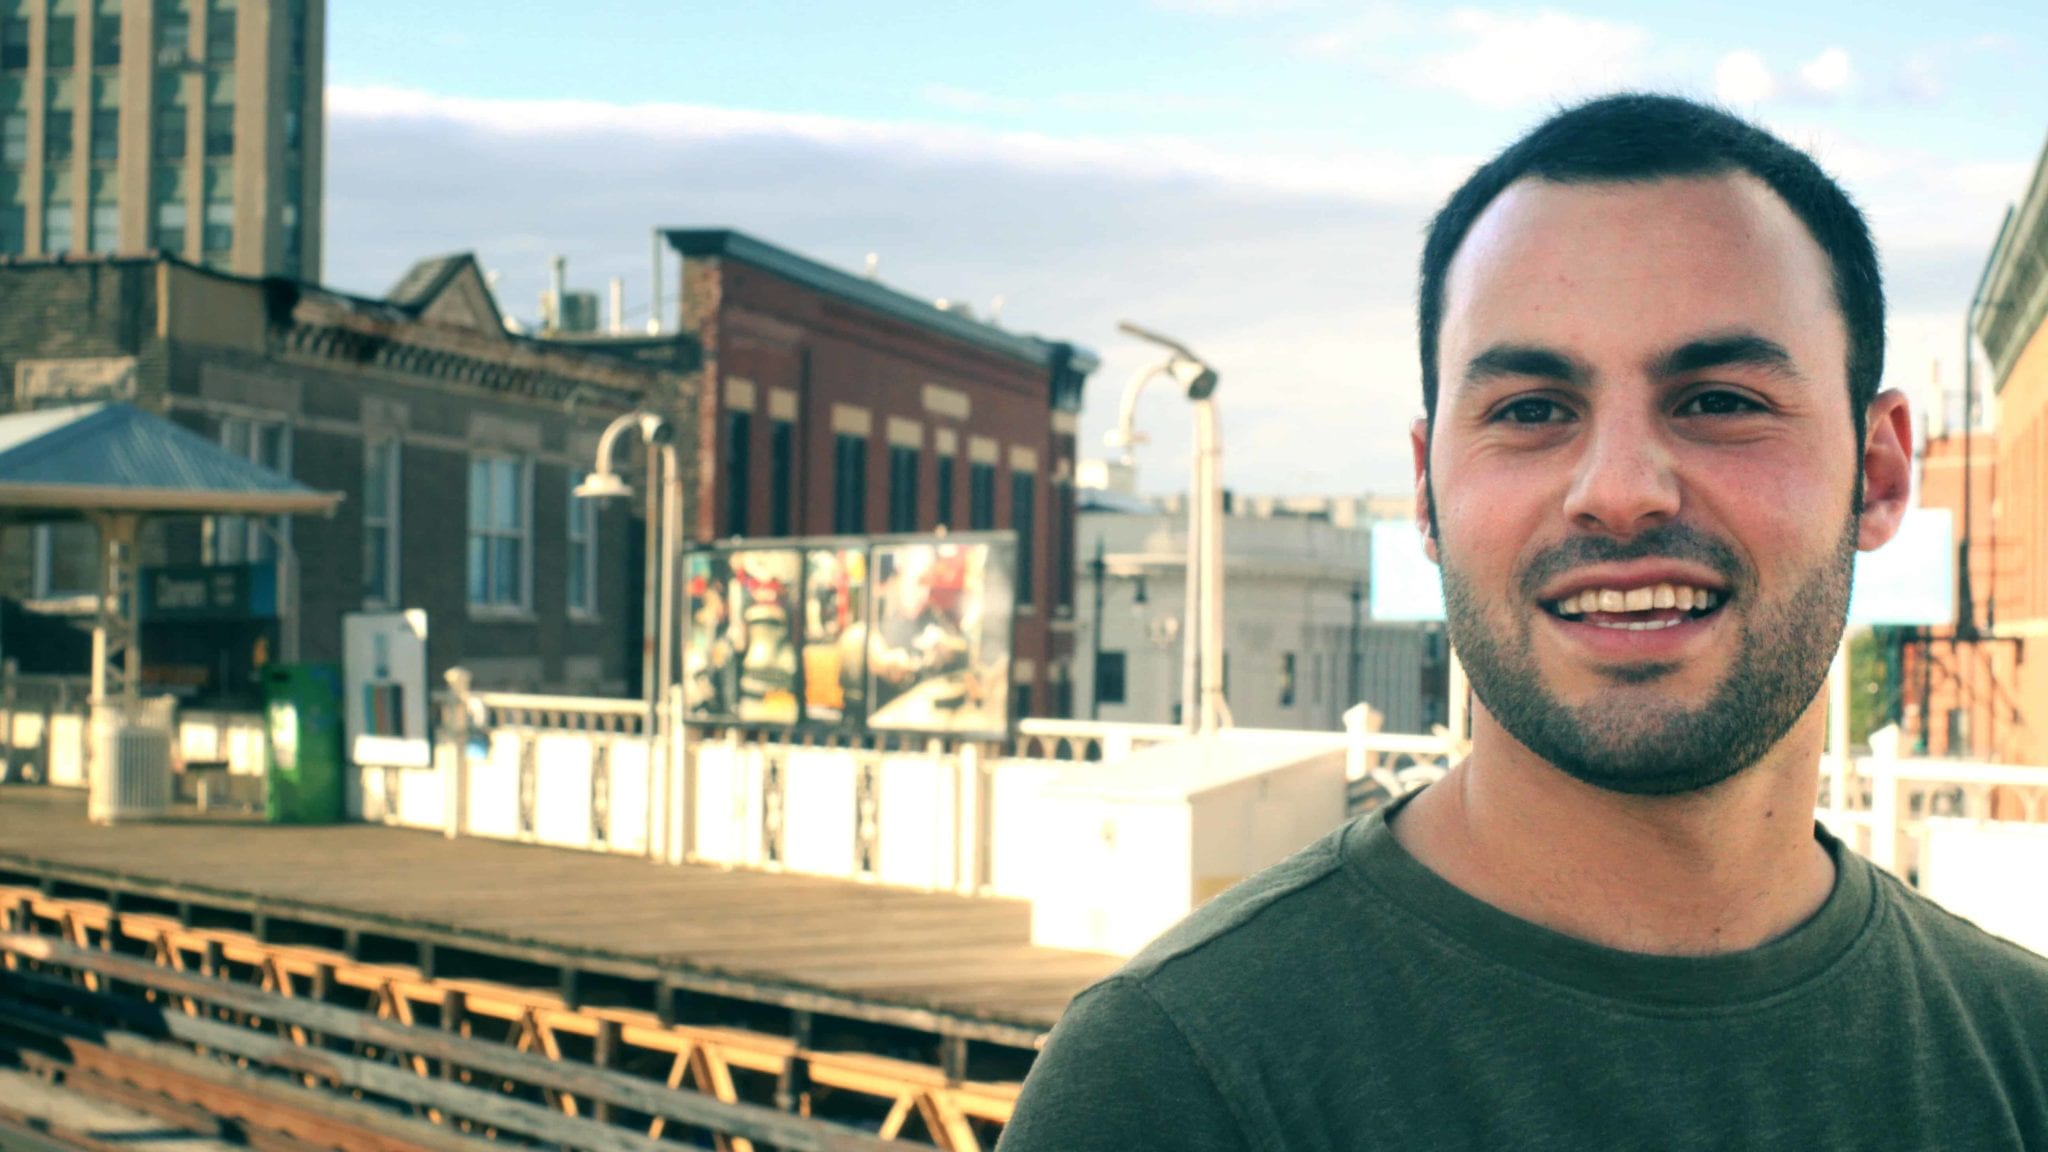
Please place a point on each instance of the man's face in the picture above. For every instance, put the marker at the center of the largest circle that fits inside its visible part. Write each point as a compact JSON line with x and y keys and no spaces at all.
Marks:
{"x":1643,"y":472}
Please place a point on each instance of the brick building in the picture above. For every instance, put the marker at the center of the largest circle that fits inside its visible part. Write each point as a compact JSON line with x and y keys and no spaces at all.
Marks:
{"x":1985,"y":683}
{"x":833,"y":404}
{"x":455,"y":441}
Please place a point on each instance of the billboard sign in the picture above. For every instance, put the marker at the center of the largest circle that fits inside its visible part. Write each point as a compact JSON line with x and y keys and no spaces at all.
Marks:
{"x":902,"y":634}
{"x":939,"y":644}
{"x":740,"y":662}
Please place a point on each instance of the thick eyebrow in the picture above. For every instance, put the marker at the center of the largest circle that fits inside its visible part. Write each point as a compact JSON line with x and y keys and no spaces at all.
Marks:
{"x":1527,"y":360}
{"x":1738,"y":349}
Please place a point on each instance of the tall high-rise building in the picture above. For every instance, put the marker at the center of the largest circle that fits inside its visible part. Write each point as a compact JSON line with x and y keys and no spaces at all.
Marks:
{"x":194,"y":127}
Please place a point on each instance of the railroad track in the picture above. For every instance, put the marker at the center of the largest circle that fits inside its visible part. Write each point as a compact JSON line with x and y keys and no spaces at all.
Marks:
{"x":306,"y":1075}
{"x":184,"y":1094}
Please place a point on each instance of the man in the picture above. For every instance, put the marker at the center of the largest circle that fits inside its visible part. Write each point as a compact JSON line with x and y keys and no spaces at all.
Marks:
{"x":1651,"y":342}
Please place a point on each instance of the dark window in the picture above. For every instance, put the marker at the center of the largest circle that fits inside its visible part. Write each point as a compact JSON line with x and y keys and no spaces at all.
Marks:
{"x":1063,"y":546}
{"x":902,"y":488}
{"x":220,"y":35}
{"x":57,"y":135}
{"x":170,"y":131}
{"x":106,"y":134}
{"x":103,"y":227}
{"x":60,"y":42}
{"x":945,"y":482}
{"x":739,"y":461}
{"x":850,"y":483}
{"x":173,"y":36}
{"x":106,"y":41}
{"x":1287,"y":679}
{"x":220,"y":130}
{"x":1109,"y":678}
{"x":13,"y":229}
{"x":1021,"y":702}
{"x":1023,"y":510}
{"x":14,"y":43}
{"x":981,"y":496}
{"x":781,"y":474}
{"x":170,"y":227}
{"x":219,"y":233}
{"x":14,"y":138}
{"x":57,"y":231}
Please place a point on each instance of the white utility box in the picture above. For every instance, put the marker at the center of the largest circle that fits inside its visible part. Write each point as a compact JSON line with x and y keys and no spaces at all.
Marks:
{"x":1128,"y":848}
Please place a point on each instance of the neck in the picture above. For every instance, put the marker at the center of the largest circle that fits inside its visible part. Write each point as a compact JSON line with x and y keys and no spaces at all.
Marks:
{"x":1720,"y":870}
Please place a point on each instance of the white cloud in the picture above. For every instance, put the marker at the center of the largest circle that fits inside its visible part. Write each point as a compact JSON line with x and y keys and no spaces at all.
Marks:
{"x":1293,"y":274}
{"x":1742,"y":77}
{"x":1513,"y":60}
{"x":1367,"y":176}
{"x":1828,"y":74}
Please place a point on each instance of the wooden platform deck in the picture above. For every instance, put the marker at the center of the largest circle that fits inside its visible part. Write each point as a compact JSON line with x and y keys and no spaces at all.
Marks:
{"x":936,"y":962}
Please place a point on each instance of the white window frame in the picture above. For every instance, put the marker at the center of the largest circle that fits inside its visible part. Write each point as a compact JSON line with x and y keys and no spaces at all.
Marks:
{"x":587,"y":512}
{"x":522,"y":604}
{"x":240,"y":539}
{"x":384,"y":519}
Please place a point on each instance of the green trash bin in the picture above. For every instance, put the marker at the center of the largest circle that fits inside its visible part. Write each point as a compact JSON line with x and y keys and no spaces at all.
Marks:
{"x":304,"y":766}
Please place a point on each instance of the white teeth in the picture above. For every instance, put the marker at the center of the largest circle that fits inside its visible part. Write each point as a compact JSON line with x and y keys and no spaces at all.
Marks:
{"x":1652,"y":598}
{"x":1639,"y":625}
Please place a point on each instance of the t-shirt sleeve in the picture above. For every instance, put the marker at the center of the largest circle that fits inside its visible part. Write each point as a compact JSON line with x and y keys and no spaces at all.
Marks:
{"x":1116,"y":1075}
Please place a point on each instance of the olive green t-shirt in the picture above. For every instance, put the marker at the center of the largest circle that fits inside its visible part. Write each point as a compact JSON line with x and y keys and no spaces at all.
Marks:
{"x":1349,"y":998}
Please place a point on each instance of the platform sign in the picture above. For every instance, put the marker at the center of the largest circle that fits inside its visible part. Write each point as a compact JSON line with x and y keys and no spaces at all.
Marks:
{"x":1405,"y":583}
{"x":1912,"y":579}
{"x":384,"y":688}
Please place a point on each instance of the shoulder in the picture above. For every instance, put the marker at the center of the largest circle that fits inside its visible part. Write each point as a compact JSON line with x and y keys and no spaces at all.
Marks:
{"x":1984,"y":968}
{"x":1286,"y":900}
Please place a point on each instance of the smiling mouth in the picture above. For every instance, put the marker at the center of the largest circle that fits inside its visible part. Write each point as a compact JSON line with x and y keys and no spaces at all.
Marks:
{"x":1645,"y":609}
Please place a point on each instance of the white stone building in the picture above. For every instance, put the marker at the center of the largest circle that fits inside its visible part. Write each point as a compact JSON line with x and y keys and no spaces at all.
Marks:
{"x":1299,"y":647}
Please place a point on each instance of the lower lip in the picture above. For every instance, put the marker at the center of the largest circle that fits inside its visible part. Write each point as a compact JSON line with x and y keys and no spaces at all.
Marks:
{"x":1632,"y":646}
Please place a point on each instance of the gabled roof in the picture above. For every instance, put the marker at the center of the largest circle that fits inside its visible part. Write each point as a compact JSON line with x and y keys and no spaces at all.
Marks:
{"x":58,"y":463}
{"x":449,"y":289}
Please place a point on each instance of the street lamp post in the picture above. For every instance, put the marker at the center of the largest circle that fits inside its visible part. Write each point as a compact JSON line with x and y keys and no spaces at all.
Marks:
{"x":659,"y":615}
{"x":1203,"y":708}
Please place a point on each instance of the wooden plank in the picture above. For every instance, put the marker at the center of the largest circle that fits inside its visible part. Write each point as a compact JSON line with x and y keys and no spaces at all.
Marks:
{"x":782,"y":937}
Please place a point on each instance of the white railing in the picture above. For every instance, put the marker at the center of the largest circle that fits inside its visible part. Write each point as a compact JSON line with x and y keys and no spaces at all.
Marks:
{"x":1885,"y":802}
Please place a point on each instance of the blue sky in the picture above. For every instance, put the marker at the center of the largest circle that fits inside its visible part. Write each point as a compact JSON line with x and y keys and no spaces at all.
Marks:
{"x":1250,"y":175}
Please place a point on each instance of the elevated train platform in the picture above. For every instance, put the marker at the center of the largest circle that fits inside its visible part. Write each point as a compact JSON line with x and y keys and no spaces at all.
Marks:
{"x":927,"y":1003}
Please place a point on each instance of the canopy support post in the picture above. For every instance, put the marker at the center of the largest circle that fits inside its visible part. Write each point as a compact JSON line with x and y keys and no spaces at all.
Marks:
{"x":116,"y":634}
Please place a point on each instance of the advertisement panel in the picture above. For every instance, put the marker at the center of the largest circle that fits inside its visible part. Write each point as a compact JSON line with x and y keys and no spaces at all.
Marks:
{"x":939,"y":636}
{"x":740,"y":662}
{"x":901,"y":634}
{"x":835,"y":634}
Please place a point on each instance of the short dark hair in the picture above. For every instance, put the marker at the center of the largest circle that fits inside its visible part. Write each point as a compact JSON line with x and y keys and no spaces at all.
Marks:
{"x":1640,"y":137}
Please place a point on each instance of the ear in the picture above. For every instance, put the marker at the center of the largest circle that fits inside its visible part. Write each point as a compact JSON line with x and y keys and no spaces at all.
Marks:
{"x":1887,"y":469}
{"x":1418,"y":440}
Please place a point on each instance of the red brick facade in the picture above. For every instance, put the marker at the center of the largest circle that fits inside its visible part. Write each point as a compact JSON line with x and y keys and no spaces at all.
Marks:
{"x":830,"y":357}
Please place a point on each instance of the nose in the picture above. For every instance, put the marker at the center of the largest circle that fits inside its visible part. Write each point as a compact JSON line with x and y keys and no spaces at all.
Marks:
{"x":1625,"y":481}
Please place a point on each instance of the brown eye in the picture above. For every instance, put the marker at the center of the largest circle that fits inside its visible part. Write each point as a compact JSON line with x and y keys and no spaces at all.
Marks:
{"x":1531,"y":410}
{"x":1719,"y":404}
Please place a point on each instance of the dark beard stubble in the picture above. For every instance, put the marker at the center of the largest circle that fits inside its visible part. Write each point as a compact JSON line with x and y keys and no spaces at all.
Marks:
{"x":1639,"y":749}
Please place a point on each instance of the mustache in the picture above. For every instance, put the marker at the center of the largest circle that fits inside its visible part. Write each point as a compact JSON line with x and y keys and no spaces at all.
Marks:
{"x":1680,"y":542}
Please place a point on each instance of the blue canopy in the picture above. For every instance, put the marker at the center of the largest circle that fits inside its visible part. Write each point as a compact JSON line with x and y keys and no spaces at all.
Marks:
{"x":59,"y":463}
